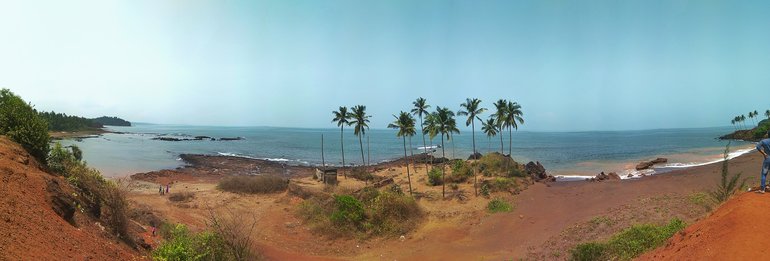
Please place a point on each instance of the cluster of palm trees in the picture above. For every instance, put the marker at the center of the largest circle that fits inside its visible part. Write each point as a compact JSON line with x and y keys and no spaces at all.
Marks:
{"x":740,"y":119}
{"x":507,"y":115}
{"x":359,"y":120}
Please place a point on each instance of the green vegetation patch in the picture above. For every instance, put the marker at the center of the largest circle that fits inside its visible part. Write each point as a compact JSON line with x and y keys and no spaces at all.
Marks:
{"x":434,"y":177}
{"x":253,"y":184}
{"x":629,"y":243}
{"x":182,"y":245}
{"x":20,"y":122}
{"x":461,"y":171}
{"x":499,"y":205}
{"x":369,"y":213}
{"x":496,"y":164}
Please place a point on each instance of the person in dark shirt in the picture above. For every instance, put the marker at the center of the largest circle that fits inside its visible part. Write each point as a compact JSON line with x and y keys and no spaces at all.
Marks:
{"x":764,"y":147}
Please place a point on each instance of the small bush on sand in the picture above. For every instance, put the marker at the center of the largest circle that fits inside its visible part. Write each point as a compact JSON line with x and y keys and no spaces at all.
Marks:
{"x":377,"y":213}
{"x":499,"y":205}
{"x":496,"y":164}
{"x":461,"y":171}
{"x":253,"y":184}
{"x":434,"y":177}
{"x":729,"y":184}
{"x":181,"y":196}
{"x":361,"y":174}
{"x":181,"y":244}
{"x":629,"y":243}
{"x":20,"y":122}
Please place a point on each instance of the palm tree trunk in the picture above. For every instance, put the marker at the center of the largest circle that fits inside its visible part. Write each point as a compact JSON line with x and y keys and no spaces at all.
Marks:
{"x":502,"y":151}
{"x":510,"y":141}
{"x":342,"y":145}
{"x":422,"y":130}
{"x":473,"y":133}
{"x":361,"y":143}
{"x":408,"y":176}
{"x":443,"y":167}
{"x":368,"y":155}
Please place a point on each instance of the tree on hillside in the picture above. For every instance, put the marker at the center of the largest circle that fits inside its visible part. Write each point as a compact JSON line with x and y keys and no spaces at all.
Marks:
{"x":513,"y":115}
{"x":751,"y":116}
{"x":733,"y":123}
{"x":471,"y":109}
{"x":767,"y":114}
{"x":342,"y":117}
{"x":361,"y":122}
{"x":743,"y":119}
{"x":420,"y":109}
{"x":446,"y":125}
{"x":22,"y":123}
{"x":404,"y":123}
{"x":756,"y":114}
{"x":500,"y":115}
{"x":489,"y":127}
{"x":430,"y":128}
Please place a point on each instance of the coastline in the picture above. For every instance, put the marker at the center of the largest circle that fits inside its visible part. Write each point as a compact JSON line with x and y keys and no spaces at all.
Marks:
{"x":81,"y":134}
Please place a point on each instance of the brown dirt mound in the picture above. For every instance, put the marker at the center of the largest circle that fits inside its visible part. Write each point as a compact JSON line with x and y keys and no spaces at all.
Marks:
{"x":31,"y":229}
{"x":736,"y":231}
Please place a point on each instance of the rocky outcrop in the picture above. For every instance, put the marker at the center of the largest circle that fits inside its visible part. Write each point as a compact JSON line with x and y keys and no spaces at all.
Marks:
{"x":537,"y":172}
{"x":647,"y":164}
{"x":228,"y":139}
{"x":605,"y":177}
{"x":475,"y":156}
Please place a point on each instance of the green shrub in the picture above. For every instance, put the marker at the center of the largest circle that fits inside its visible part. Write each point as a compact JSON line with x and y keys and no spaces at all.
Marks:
{"x":588,"y":252}
{"x":378,"y":213}
{"x":485,"y":190}
{"x":461,"y":171}
{"x":629,"y":243}
{"x":20,"y":122}
{"x":261,"y":184}
{"x":496,"y":164}
{"x":499,"y":205}
{"x":181,"y":244}
{"x":434,"y":177}
{"x":349,"y":211}
{"x":729,"y":184}
{"x":761,"y":130}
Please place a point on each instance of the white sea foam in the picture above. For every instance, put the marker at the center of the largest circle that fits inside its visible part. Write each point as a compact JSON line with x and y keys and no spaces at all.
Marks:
{"x":250,"y":157}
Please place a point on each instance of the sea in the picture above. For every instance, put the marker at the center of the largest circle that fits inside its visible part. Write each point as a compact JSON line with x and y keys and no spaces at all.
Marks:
{"x":566,"y":155}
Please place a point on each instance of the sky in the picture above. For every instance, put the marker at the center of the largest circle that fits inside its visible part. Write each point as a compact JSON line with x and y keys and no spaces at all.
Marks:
{"x":571,"y":65}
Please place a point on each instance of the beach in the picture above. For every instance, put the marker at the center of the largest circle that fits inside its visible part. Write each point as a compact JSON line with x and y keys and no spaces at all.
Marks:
{"x":548,"y":218}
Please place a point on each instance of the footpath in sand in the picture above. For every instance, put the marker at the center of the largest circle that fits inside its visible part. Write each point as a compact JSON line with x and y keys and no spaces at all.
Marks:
{"x":738,"y":230}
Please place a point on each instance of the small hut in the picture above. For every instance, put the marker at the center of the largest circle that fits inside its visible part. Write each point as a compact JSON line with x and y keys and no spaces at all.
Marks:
{"x":327,"y":175}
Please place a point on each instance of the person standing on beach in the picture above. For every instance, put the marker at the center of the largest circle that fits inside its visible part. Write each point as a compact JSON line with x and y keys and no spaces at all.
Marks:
{"x":764,"y":147}
{"x":167,"y":188}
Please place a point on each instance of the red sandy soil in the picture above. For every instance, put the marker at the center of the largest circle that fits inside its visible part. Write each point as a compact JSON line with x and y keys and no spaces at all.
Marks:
{"x":738,"y":230}
{"x":462,"y":230}
{"x":29,"y":227}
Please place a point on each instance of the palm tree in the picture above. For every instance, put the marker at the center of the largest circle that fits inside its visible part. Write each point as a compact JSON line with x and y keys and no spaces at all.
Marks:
{"x":767,"y":114}
{"x":430,"y":128}
{"x":405,"y":125}
{"x":342,"y":117}
{"x":420,"y":109}
{"x":513,"y":114}
{"x":361,"y":122}
{"x":733,"y":122}
{"x":489,"y":127}
{"x":500,"y":115}
{"x":737,"y":120}
{"x":756,"y":114}
{"x":471,"y":109}
{"x":445,"y":125}
{"x":751,"y":116}
{"x":743,"y":118}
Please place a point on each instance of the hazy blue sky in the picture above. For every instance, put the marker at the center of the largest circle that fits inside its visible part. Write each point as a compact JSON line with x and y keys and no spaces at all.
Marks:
{"x":572,"y":65}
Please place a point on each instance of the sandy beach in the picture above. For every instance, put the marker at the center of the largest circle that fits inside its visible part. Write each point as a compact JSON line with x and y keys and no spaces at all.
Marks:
{"x":548,"y":218}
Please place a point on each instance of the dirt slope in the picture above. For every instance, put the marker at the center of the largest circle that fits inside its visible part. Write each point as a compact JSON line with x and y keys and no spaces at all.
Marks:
{"x":738,"y":230}
{"x":30,"y":228}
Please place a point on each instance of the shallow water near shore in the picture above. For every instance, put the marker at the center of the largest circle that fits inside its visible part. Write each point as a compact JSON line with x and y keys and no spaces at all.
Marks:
{"x":562,"y":153}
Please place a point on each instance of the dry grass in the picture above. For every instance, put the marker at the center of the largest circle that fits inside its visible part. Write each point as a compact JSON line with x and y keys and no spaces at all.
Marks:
{"x":253,"y":184}
{"x":181,"y":196}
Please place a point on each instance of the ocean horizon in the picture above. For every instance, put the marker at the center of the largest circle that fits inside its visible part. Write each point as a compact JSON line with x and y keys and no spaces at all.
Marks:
{"x":571,"y":155}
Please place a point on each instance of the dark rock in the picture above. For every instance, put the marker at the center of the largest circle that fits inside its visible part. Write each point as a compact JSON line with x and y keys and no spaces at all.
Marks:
{"x":537,"y":172}
{"x":475,"y":156}
{"x":630,"y":175}
{"x":647,"y":164}
{"x":613,"y":176}
{"x":62,"y":203}
{"x":228,"y":139}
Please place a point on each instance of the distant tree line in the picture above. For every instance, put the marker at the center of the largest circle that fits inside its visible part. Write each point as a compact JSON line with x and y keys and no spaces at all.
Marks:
{"x":64,"y":122}
{"x":112,"y":121}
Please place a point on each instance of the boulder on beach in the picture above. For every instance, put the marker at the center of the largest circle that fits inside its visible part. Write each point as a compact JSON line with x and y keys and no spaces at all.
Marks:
{"x":537,"y":172}
{"x":647,"y":164}
{"x":602,"y":176}
{"x":475,"y":156}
